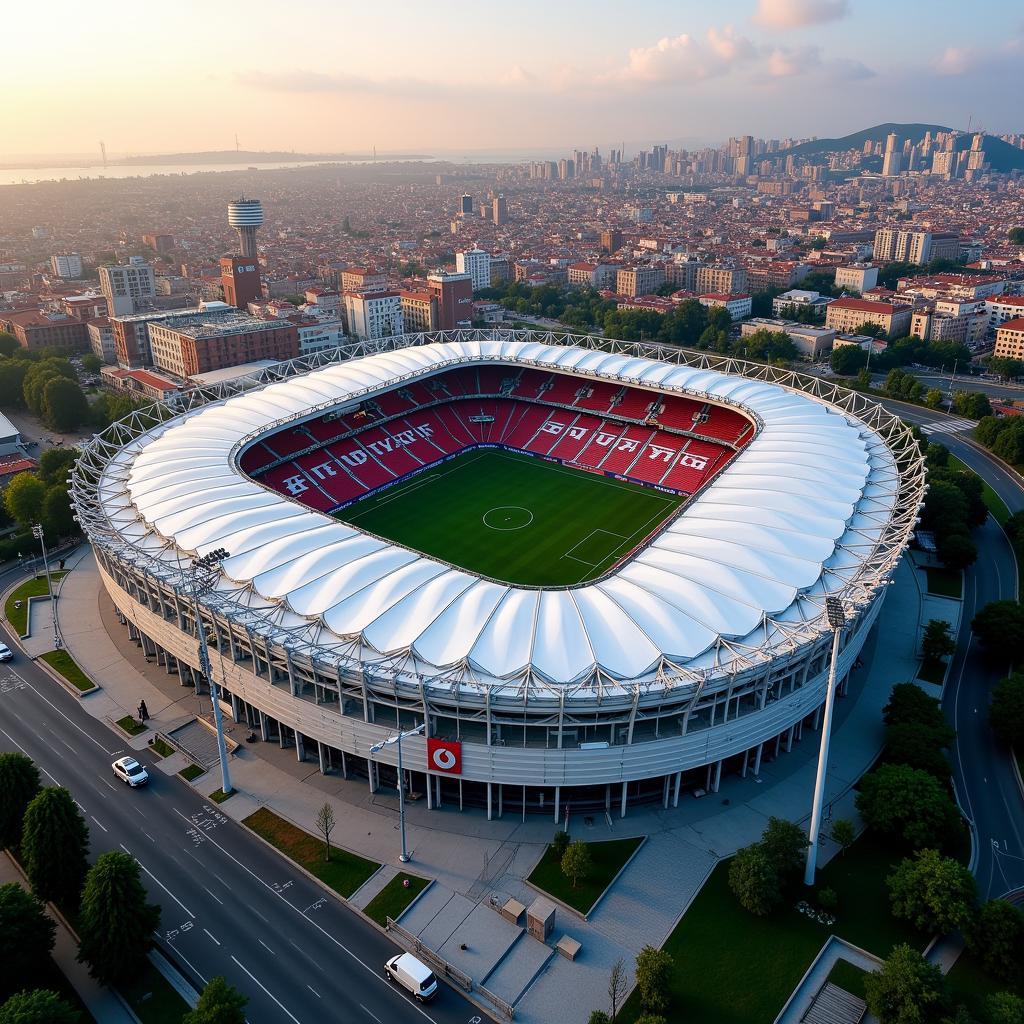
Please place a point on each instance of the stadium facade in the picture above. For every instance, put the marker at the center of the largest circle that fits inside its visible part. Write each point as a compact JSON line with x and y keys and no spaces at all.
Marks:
{"x":703,"y":649}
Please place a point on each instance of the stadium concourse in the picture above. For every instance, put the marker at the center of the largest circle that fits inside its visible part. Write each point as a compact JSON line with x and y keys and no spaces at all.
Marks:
{"x":631,"y":652}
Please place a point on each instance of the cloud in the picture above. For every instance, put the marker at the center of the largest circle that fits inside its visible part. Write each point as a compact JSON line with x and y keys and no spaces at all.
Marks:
{"x":845,"y":70}
{"x":781,"y":14}
{"x":684,"y":58}
{"x":955,"y":61}
{"x":785,"y":63}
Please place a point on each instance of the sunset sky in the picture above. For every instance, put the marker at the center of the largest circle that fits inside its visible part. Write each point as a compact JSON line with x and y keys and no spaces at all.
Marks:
{"x":453,"y":77}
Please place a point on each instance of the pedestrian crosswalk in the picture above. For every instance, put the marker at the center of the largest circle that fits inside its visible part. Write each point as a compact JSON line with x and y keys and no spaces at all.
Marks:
{"x":948,"y":425}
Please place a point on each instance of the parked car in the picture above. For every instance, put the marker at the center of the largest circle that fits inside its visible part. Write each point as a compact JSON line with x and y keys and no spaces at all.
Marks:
{"x":129,"y":771}
{"x":6,"y":654}
{"x":416,"y":977}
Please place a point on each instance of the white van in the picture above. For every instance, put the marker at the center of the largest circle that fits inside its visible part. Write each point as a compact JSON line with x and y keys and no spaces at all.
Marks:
{"x":408,"y":972}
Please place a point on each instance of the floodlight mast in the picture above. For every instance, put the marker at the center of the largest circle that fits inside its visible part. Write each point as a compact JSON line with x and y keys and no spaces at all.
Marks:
{"x":376,"y":749}
{"x":836,"y":615}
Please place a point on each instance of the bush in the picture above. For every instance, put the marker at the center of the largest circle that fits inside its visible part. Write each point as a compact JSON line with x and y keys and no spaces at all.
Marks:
{"x":560,"y":844}
{"x":754,"y":880}
{"x":40,"y":1006}
{"x":996,"y":938}
{"x":1004,"y":1008}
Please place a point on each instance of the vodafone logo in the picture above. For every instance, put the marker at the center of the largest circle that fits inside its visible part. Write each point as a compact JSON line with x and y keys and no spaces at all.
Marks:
{"x":444,"y":756}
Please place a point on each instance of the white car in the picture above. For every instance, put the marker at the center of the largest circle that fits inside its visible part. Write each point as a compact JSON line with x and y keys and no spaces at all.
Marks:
{"x":415,"y":977}
{"x":5,"y":653}
{"x":128,"y":770}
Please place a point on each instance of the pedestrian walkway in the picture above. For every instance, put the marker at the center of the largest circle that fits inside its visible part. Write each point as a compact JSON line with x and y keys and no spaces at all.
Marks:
{"x":471,"y":857}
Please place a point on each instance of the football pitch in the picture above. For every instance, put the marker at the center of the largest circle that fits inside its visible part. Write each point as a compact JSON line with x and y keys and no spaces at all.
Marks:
{"x":515,"y":518}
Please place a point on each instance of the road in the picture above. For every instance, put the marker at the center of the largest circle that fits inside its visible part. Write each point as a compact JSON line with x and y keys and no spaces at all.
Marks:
{"x":230,"y":905}
{"x":936,"y":379}
{"x":982,"y":768}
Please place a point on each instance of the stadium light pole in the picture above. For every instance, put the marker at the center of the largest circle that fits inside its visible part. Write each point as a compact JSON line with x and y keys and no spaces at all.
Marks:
{"x":376,"y":749}
{"x":37,"y":532}
{"x":837,"y":620}
{"x":202,"y":571}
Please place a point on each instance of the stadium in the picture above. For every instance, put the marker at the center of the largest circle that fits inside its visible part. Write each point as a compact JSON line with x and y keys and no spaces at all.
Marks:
{"x":594,"y":570}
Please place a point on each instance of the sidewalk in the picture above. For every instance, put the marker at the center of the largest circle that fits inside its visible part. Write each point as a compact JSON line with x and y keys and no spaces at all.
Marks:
{"x":471,"y":857}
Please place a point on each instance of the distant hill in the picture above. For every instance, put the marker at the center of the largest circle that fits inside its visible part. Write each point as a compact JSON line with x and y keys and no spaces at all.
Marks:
{"x":1000,"y":155}
{"x":232,"y":156}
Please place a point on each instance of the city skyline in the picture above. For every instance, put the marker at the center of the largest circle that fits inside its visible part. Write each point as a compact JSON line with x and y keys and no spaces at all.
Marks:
{"x":328,"y":80}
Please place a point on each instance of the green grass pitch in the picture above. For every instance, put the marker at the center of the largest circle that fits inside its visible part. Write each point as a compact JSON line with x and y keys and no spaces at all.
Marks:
{"x":515,"y":518}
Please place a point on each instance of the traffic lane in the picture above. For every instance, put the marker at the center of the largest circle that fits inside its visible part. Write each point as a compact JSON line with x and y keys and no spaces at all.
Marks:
{"x":259,"y":877}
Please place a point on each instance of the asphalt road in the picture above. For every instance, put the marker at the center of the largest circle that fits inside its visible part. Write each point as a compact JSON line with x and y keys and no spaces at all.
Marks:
{"x":230,"y":905}
{"x":982,"y":767}
{"x":935,"y":379}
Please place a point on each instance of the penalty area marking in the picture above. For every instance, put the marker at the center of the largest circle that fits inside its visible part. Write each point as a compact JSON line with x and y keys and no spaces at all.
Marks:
{"x":507,"y":517}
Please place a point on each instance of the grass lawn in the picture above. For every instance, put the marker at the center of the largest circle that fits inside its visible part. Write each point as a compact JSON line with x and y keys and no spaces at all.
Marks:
{"x":153,"y":999}
{"x":161,"y":747}
{"x":945,"y":582}
{"x":515,"y":518}
{"x":607,"y":859}
{"x":344,"y":872}
{"x":36,"y":587}
{"x":392,"y":900}
{"x":192,"y":772}
{"x":218,"y":796}
{"x":849,"y":977}
{"x":130,"y":725}
{"x":932,"y":671}
{"x":734,"y":968}
{"x":63,"y":663}
{"x":971,"y":986}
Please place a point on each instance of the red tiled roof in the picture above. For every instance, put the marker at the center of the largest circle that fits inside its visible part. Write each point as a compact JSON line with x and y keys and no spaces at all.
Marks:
{"x":863,"y":306}
{"x":1012,"y":325}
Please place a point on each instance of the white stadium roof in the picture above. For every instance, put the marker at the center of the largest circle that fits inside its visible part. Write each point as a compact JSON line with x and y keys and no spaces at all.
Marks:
{"x":740,"y":573}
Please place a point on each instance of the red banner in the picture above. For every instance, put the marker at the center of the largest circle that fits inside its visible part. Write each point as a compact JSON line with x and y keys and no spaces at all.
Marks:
{"x":444,"y":756}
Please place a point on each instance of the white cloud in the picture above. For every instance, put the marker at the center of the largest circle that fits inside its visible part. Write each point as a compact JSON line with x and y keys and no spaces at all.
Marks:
{"x":799,"y":13}
{"x":785,"y":63}
{"x":955,"y":61}
{"x":684,"y":58}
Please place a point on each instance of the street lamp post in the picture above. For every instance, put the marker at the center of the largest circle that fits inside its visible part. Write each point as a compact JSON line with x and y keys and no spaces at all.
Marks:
{"x":202,"y":572}
{"x":837,"y":620}
{"x":376,"y":749}
{"x":37,"y":532}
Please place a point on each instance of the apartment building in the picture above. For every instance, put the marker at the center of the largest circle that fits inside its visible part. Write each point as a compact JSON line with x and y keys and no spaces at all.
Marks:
{"x":846,"y":315}
{"x":419,"y":311}
{"x":592,"y":275}
{"x":101,"y":339}
{"x":360,"y":279}
{"x":373,"y":315}
{"x":856,"y":279}
{"x":721,"y":280}
{"x":1010,"y":339}
{"x":1002,"y":308}
{"x":737,"y":306}
{"x":128,"y":288}
{"x":477,"y":264}
{"x":895,"y":245}
{"x":643,"y":280}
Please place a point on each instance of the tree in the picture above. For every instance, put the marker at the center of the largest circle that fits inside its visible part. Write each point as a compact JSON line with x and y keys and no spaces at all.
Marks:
{"x":219,"y":1003}
{"x":999,"y":627}
{"x":116,"y":924}
{"x":653,"y":968}
{"x":23,"y":499}
{"x":26,"y":937}
{"x":12,"y":383}
{"x":576,"y":862}
{"x":559,"y":844}
{"x":1006,"y":712}
{"x":92,"y":363}
{"x":847,"y":359}
{"x":754,"y":880}
{"x":909,"y":704}
{"x":55,"y":465}
{"x":908,"y":804}
{"x":972,"y":404}
{"x":57,"y":515}
{"x":1016,"y":236}
{"x":907,"y":989}
{"x":843,"y":833}
{"x":9,"y":344}
{"x":935,"y":894}
{"x":919,"y":746}
{"x":996,"y":938}
{"x":933,"y":398}
{"x":325,"y":822}
{"x":1004,"y":1008}
{"x":956,"y":551}
{"x":617,"y":985}
{"x":651,"y":1018}
{"x":54,"y":846}
{"x":598,"y":1017}
{"x":938,"y":642}
{"x":786,"y":846}
{"x":65,"y":407}
{"x":39,"y":1006}
{"x":19,"y":783}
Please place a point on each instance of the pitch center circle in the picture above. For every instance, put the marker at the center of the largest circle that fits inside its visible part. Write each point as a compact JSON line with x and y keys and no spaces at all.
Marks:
{"x":508,"y":517}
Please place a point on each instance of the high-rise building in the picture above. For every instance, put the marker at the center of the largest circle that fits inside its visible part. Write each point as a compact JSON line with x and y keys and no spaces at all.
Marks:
{"x":240,"y":278}
{"x":67,"y":265}
{"x":246,"y":216}
{"x":892,"y":162}
{"x":159,"y":241}
{"x":419,"y":311}
{"x":500,"y":212}
{"x":477,"y":264}
{"x":466,"y":207}
{"x":128,"y":288}
{"x":361,"y":279}
{"x":611,"y":240}
{"x":919,"y":247}
{"x":454,"y":296}
{"x":373,"y":315}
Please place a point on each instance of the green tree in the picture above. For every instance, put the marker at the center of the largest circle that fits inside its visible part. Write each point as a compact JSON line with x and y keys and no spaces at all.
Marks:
{"x":54,"y":847}
{"x":754,"y":880}
{"x":909,"y":705}
{"x":934,"y":893}
{"x":999,"y":627}
{"x":919,"y":746}
{"x":39,"y":1006}
{"x":996,"y":938}
{"x":972,"y":404}
{"x":956,"y":551}
{"x":559,"y":844}
{"x":26,"y":938}
{"x":116,"y":924}
{"x":847,"y":359}
{"x":933,"y":398}
{"x":57,"y":514}
{"x":23,"y":499}
{"x":937,"y":643}
{"x":786,"y":847}
{"x":908,"y":804}
{"x":598,"y":1017}
{"x":19,"y":783}
{"x":651,"y":1018}
{"x":55,"y":465}
{"x":1006,"y":712}
{"x":92,"y":363}
{"x":219,"y":1003}
{"x":576,"y":862}
{"x":12,"y":383}
{"x":9,"y":344}
{"x":907,"y":989}
{"x":653,"y":970}
{"x":1004,"y":1008}
{"x":65,"y":407}
{"x":843,"y":833}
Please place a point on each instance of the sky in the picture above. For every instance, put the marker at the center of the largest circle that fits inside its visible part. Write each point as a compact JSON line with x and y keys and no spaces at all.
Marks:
{"x":453,"y":77}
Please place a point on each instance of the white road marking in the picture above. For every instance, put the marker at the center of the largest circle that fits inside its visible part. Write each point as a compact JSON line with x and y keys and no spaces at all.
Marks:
{"x":363,"y":1008}
{"x":265,"y":989}
{"x":91,"y":739}
{"x":101,"y":826}
{"x":314,"y":991}
{"x":215,"y":896}
{"x":158,"y":882}
{"x":27,"y":754}
{"x":265,"y":946}
{"x":212,"y":936}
